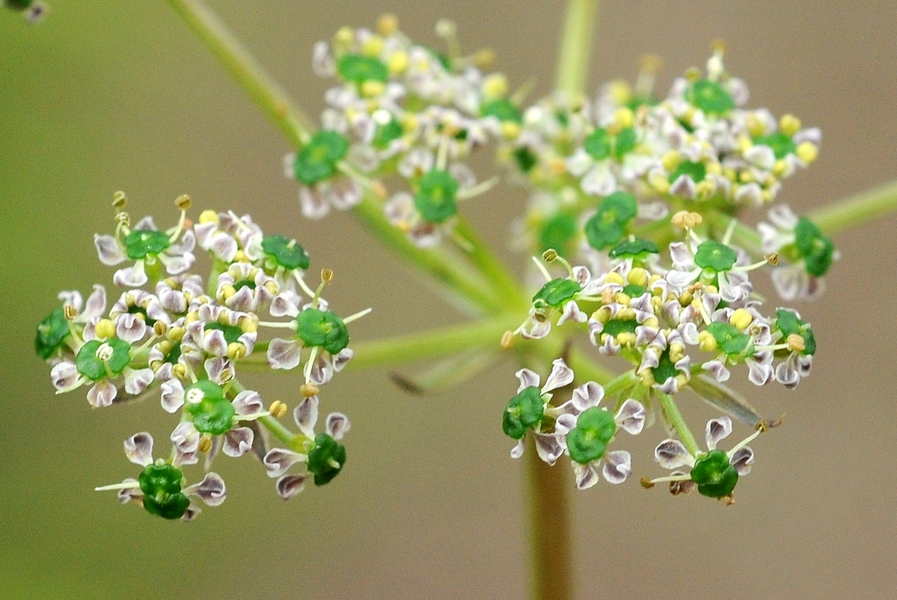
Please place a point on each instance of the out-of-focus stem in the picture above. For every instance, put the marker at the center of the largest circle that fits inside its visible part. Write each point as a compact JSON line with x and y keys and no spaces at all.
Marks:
{"x":580,"y":21}
{"x":855,"y":210}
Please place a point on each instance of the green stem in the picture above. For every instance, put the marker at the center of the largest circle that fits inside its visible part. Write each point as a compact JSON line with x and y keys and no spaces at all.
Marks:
{"x":576,"y":45}
{"x":279,"y":431}
{"x":492,"y":268}
{"x":263,"y":90}
{"x":856,"y":210}
{"x":674,"y":417}
{"x":549,"y":535}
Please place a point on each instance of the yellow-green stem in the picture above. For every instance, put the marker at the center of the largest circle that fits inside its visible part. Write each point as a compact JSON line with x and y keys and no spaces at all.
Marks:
{"x":580,"y":21}
{"x":856,"y":210}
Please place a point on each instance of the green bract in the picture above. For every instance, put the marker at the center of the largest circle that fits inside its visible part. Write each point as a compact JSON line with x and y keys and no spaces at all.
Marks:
{"x":715,"y":256}
{"x":161,"y":487}
{"x":557,"y":233}
{"x":636,"y":248}
{"x":326,"y":459}
{"x":322,"y":328}
{"x":358,"y":69}
{"x":780,"y":143}
{"x":214,"y":413}
{"x":665,"y":368}
{"x":141,"y":243}
{"x":600,"y":144}
{"x":588,"y":441}
{"x":285,"y":252}
{"x":556,"y":292}
{"x":729,"y":339}
{"x":51,"y":333}
{"x":503,"y":110}
{"x":435,"y":197}
{"x":94,"y":368}
{"x":317,"y":160}
{"x":788,"y":323}
{"x":818,"y":250}
{"x":710,"y":97}
{"x":608,"y":226}
{"x":714,"y":474}
{"x":696,"y":171}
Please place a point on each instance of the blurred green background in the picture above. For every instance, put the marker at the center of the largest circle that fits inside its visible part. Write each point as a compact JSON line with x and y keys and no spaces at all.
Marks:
{"x":117,"y":95}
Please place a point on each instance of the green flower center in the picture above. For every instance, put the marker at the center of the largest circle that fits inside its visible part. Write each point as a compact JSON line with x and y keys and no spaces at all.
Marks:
{"x":326,"y":459}
{"x":285,"y":252}
{"x":556,"y":292}
{"x":212,"y":412}
{"x":97,"y":360}
{"x":608,"y":226}
{"x":142,"y":243}
{"x":710,"y":97}
{"x":322,"y":328}
{"x":817,"y":250}
{"x":788,"y":323}
{"x":730,"y":340}
{"x":51,"y":333}
{"x":523,"y":411}
{"x":161,"y":486}
{"x":715,"y":256}
{"x":594,"y":430}
{"x":715,"y":476}
{"x":601,"y":145}
{"x":435,"y":197}
{"x":317,"y":160}
{"x":503,"y":110}
{"x":358,"y":69}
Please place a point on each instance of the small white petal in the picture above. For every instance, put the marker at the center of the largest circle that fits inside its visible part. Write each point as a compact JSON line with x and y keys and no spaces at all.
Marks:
{"x":716,"y":430}
{"x":671,"y":454}
{"x":139,"y":449}
{"x":560,"y":376}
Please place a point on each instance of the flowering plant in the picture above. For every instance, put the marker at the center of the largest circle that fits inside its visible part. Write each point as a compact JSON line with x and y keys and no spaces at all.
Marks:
{"x":634,"y":221}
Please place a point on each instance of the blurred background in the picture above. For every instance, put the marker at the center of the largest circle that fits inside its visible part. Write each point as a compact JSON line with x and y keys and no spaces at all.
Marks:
{"x":105,"y":96}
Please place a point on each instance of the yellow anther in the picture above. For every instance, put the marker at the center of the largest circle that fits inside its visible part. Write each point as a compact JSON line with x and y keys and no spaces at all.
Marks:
{"x":744,"y":143}
{"x":624,"y":118}
{"x":510,"y":130}
{"x":165,"y":346}
{"x":160,"y":328}
{"x":646,"y":377}
{"x":626,"y":314}
{"x":772,"y":259}
{"x":507,"y":340}
{"x":789,"y":124}
{"x":637,"y":276}
{"x":626,"y":338}
{"x":686,"y":220}
{"x":730,"y":173}
{"x":602,"y":315}
{"x":706,"y":341}
{"x":240,"y":256}
{"x":619,"y":91}
{"x":646,"y":483}
{"x":119,"y":200}
{"x":796,"y":343}
{"x":613,"y":277}
{"x":236,"y":350}
{"x":557,"y":167}
{"x":495,"y":86}
{"x":183,"y":202}
{"x":713,"y":168}
{"x":484,"y":57}
{"x":671,"y":160}
{"x":397,"y":62}
{"x":326,"y":275}
{"x":344,"y":36}
{"x":622,"y":298}
{"x":651,"y":322}
{"x":677,"y":352}
{"x":69,"y":312}
{"x":226,"y":292}
{"x":682,"y":380}
{"x":387,"y":24}
{"x":105,"y":329}
{"x":205,"y":444}
{"x":372,"y":46}
{"x":371,"y":88}
{"x":767,"y":196}
{"x":249,"y":323}
{"x":550,"y":255}
{"x":651,"y":63}
{"x":705,"y":189}
{"x":209,"y":216}
{"x":741,"y":319}
{"x":308,"y":390}
{"x":692,"y":74}
{"x":745,"y":177}
{"x":179,"y":370}
{"x":176,"y":333}
{"x":718,"y":46}
{"x":780,"y":167}
{"x":122,"y":218}
{"x":807,"y":152}
{"x":277,"y":409}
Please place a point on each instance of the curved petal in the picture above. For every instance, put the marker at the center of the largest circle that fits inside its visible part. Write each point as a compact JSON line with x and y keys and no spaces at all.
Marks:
{"x":64,"y":376}
{"x":284,"y":354}
{"x":337,"y":425}
{"x":108,"y":250}
{"x":671,"y":454}
{"x":290,"y":485}
{"x":306,"y":415}
{"x":237,"y":441}
{"x":133,"y":276}
{"x":617,"y":466}
{"x":248,"y":404}
{"x":560,"y":376}
{"x":172,"y":395}
{"x":631,"y":417}
{"x":527,"y":379}
{"x":185,"y":438}
{"x":278,"y":460}
{"x":137,"y":380}
{"x":586,"y":475}
{"x":139,"y":448}
{"x":716,"y":430}
{"x":102,"y":394}
{"x":210,"y":490}
{"x":587,"y":395}
{"x":742,"y":459}
{"x":549,"y":448}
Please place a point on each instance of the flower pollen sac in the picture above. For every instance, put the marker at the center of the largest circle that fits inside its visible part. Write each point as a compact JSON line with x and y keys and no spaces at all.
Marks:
{"x":523,"y":411}
{"x":161,"y":486}
{"x":322,"y":328}
{"x":435,"y":197}
{"x":588,"y":441}
{"x":714,"y":474}
{"x":326,"y":459}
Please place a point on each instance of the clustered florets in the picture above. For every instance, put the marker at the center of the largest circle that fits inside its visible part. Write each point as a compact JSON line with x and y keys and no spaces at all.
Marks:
{"x":187,"y":337}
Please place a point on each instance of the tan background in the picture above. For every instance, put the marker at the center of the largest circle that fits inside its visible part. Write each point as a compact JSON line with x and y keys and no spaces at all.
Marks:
{"x":118,"y":95}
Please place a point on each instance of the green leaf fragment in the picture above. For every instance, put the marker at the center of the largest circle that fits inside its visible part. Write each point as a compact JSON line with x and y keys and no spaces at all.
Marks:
{"x":600,"y":144}
{"x":231,"y":333}
{"x":326,"y":459}
{"x":524,"y":410}
{"x":386,"y":133}
{"x":212,"y":412}
{"x":715,"y":256}
{"x":614,"y":327}
{"x":556,"y":292}
{"x":588,"y":441}
{"x":695,"y":171}
{"x":141,"y":243}
{"x":665,"y":368}
{"x":285,"y":252}
{"x":636,"y":248}
{"x":714,"y":474}
{"x":435,"y":197}
{"x":503,"y":110}
{"x":322,"y":328}
{"x":51,"y":333}
{"x":557,"y":233}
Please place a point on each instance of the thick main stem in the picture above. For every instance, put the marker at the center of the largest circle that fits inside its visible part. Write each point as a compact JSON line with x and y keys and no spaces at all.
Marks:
{"x":550,"y":534}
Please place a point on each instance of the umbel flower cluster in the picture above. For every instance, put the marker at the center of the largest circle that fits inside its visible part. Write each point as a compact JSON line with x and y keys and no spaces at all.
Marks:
{"x":180,"y":338}
{"x":635,"y":203}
